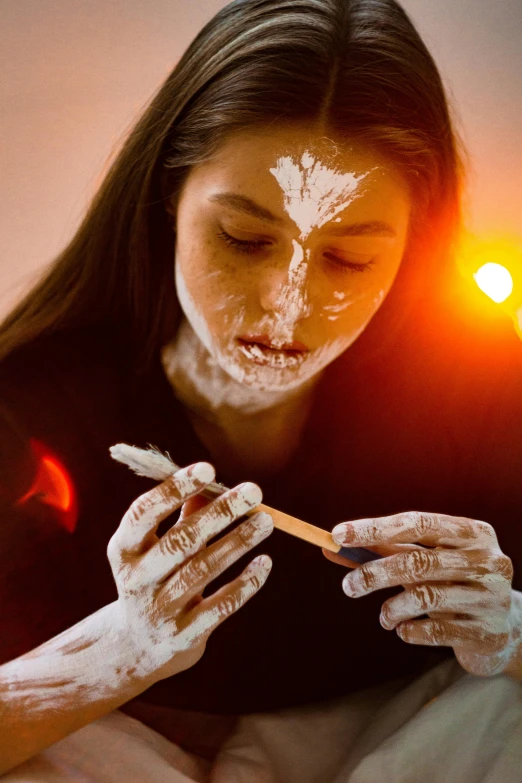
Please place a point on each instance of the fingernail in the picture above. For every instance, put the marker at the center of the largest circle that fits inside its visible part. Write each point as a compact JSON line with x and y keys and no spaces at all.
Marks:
{"x":250,"y":493}
{"x":262,"y":562}
{"x":260,"y":567}
{"x":203,"y":472}
{"x":349,"y":587}
{"x":262,"y":522}
{"x":385,"y":624}
{"x":343,"y":534}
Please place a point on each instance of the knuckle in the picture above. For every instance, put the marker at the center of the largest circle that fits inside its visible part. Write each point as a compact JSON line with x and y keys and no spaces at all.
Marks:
{"x":138,"y":509}
{"x":425,"y":597}
{"x":256,"y":581}
{"x":228,"y":605}
{"x":367,"y":578}
{"x":438,"y":632}
{"x":198,"y":570}
{"x":166,"y":492}
{"x":179,"y":540}
{"x":227,"y":506}
{"x":419,"y":563}
{"x":245,"y":532}
{"x":485,"y":529}
{"x":424,"y":522}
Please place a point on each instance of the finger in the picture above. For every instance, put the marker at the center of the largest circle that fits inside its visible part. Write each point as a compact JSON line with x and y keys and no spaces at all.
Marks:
{"x":422,"y":599}
{"x":416,"y":526}
{"x":148,"y":510}
{"x":190,"y":535}
{"x":202,"y":620}
{"x":430,"y":565}
{"x":452,"y":633}
{"x":381,"y":550}
{"x":193,"y":576}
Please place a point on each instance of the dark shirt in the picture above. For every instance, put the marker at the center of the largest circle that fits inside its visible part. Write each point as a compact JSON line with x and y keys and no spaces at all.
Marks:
{"x":433,"y":422}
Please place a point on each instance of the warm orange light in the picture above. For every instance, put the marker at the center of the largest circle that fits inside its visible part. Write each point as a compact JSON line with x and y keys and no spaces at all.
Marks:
{"x":494,"y":262}
{"x":495,"y":280}
{"x":52,"y":485}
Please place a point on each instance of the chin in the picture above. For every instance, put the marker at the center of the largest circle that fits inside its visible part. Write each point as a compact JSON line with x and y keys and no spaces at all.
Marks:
{"x":266,"y":379}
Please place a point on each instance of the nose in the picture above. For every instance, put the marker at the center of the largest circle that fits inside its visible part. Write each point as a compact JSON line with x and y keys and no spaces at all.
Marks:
{"x":272,"y":288}
{"x":283,"y":288}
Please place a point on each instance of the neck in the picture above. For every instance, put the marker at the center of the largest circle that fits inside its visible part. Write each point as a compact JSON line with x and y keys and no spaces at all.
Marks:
{"x":211,"y":394}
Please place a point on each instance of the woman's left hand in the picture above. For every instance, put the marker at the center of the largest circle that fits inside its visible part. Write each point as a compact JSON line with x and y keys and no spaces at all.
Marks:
{"x":463,"y":584}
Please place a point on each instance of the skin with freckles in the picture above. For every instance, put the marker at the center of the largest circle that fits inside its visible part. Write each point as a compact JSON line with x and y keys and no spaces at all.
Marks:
{"x":460,"y":578}
{"x":310,"y":263}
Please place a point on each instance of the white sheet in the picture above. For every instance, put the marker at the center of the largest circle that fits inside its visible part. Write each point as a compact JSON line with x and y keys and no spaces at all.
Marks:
{"x":445,"y":727}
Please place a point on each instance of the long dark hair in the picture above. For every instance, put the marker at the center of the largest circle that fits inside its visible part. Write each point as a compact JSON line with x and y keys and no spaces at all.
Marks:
{"x":351,"y":68}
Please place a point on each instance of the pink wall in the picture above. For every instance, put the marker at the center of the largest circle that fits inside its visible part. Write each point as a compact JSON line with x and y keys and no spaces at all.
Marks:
{"x":75,"y":75}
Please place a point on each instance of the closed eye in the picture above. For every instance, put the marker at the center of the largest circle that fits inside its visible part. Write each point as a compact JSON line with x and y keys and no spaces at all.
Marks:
{"x":252,"y":246}
{"x":243,"y":245}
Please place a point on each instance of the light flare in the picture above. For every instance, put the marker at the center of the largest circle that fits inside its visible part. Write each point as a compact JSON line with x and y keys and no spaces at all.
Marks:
{"x":495,"y":281}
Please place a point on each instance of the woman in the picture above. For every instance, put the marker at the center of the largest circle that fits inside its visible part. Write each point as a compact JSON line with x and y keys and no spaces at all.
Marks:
{"x":264,"y":282}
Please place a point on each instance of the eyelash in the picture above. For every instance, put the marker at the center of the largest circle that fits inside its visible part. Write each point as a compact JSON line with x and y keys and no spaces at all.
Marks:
{"x":252,"y":246}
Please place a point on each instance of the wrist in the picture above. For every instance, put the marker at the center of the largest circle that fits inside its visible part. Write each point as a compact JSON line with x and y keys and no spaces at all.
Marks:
{"x":122,"y":657}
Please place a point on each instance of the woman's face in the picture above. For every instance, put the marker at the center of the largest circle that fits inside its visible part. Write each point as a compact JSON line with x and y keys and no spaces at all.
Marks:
{"x":286,"y":247}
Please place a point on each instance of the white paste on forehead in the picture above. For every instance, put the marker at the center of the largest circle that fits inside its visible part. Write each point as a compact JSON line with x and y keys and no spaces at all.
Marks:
{"x":313,"y":193}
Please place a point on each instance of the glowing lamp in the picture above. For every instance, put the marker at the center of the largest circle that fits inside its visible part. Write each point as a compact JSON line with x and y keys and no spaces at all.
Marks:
{"x":495,"y":280}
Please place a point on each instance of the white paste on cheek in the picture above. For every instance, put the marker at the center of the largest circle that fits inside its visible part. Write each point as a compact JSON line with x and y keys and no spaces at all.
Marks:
{"x":190,"y":310}
{"x":205,"y":371}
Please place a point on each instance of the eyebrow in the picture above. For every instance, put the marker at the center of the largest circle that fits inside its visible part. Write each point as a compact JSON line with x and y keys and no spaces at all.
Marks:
{"x":250,"y":207}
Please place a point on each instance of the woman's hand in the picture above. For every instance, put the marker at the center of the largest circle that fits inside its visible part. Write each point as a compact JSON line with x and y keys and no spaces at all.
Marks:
{"x":463,"y":584}
{"x":160,"y":613}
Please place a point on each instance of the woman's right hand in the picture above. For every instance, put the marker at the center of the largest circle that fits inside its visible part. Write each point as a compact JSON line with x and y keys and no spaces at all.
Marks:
{"x":160,"y":615}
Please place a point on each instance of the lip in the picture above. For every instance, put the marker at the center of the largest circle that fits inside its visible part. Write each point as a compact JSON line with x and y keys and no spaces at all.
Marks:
{"x":264,"y":341}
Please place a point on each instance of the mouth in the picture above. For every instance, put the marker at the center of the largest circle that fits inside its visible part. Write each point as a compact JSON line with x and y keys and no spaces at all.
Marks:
{"x":264,"y":342}
{"x":260,"y":350}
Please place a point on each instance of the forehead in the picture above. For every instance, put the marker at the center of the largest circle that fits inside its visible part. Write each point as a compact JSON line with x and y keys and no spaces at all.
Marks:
{"x":256,"y":152}
{"x":255,"y":159}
